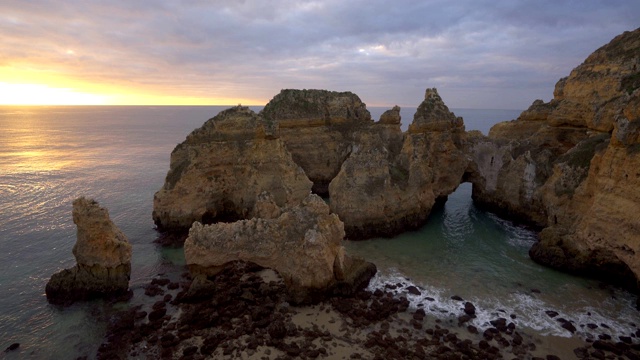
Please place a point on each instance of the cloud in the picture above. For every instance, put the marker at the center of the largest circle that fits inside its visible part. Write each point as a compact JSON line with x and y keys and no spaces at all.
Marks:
{"x":495,"y":54}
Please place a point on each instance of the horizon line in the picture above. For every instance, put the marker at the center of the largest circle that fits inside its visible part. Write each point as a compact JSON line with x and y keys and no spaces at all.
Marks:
{"x":225,"y":105}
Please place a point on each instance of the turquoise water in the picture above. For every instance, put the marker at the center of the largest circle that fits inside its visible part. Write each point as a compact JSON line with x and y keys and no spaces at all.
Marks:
{"x":476,"y":255}
{"x":120,"y":156}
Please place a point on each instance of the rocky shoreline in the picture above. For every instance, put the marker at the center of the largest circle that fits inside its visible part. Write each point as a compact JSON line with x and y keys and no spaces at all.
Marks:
{"x":244,"y":314}
{"x":269,"y":278}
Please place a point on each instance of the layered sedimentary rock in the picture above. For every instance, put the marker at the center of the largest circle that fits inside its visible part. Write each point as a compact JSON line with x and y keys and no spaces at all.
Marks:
{"x":593,"y":204}
{"x":218,"y":171}
{"x":303,"y":243}
{"x":317,"y":127}
{"x":509,"y":167}
{"x":389,"y":184}
{"x":570,"y":166}
{"x":103,"y":256}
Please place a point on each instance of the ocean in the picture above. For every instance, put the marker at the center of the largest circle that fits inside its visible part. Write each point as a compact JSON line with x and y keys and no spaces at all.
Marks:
{"x":119,"y":156}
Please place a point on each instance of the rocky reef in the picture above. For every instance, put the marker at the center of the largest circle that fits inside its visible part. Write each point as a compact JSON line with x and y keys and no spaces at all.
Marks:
{"x":570,"y":166}
{"x":302,"y":243}
{"x":103,"y":256}
{"x":217,"y":173}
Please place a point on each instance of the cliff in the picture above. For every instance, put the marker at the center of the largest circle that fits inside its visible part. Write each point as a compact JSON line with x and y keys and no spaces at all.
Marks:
{"x":303,"y":243}
{"x":103,"y":256}
{"x":219,"y":170}
{"x":570,"y":166}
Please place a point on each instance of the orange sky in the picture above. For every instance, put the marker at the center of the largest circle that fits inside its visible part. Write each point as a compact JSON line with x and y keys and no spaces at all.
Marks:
{"x":32,"y":87}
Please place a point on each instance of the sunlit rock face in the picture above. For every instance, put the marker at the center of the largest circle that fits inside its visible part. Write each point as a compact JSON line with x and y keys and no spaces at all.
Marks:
{"x":318,"y":127}
{"x":218,"y":171}
{"x":570,"y":166}
{"x":389,"y":184}
{"x":103,"y":256}
{"x":303,"y":243}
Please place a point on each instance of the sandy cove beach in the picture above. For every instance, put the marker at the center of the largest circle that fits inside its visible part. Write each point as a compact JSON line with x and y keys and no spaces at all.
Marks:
{"x":242,"y":314}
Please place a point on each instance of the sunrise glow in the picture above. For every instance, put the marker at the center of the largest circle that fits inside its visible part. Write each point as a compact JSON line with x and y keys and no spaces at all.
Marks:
{"x":20,"y":86}
{"x":36,"y":94}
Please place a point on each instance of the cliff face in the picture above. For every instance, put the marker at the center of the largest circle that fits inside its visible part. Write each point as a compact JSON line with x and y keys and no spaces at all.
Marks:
{"x":386,"y":187}
{"x":303,"y":243}
{"x":570,"y":166}
{"x":593,"y":94}
{"x":317,"y":127}
{"x":103,"y":256}
{"x":218,"y":171}
{"x":509,"y":167}
{"x":593,"y":203}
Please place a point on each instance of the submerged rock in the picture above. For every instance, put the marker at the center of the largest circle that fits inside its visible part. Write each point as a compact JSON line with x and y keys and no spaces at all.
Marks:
{"x":12,"y":347}
{"x":303,"y":243}
{"x":103,"y":256}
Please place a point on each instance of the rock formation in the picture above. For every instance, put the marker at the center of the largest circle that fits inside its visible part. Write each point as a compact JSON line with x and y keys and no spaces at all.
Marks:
{"x":303,"y":243}
{"x":317,"y":127}
{"x":103,"y":256}
{"x":218,"y":171}
{"x":389,"y":184}
{"x":570,"y":166}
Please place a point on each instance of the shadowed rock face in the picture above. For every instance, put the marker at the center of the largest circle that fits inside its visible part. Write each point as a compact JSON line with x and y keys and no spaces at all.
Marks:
{"x":317,"y":127}
{"x":433,"y":115}
{"x":218,"y":171}
{"x":302,"y":243}
{"x":103,"y":256}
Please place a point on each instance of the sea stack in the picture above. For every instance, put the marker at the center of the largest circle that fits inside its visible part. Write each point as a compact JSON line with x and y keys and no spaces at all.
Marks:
{"x":103,"y":257}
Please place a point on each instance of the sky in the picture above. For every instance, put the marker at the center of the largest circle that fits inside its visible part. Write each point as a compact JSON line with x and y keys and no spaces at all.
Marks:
{"x":479,"y":54}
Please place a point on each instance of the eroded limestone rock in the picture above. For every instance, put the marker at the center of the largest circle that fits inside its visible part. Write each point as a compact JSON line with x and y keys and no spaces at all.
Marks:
{"x":218,"y":171}
{"x":103,"y":256}
{"x":303,"y":243}
{"x":380,"y":191}
{"x":570,"y":166}
{"x":317,"y":127}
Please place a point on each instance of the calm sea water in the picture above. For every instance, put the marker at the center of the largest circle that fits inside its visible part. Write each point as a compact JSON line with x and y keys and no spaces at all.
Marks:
{"x":120,"y":155}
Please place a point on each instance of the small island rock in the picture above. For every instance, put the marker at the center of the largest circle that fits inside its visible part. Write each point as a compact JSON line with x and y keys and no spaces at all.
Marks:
{"x":103,"y":257}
